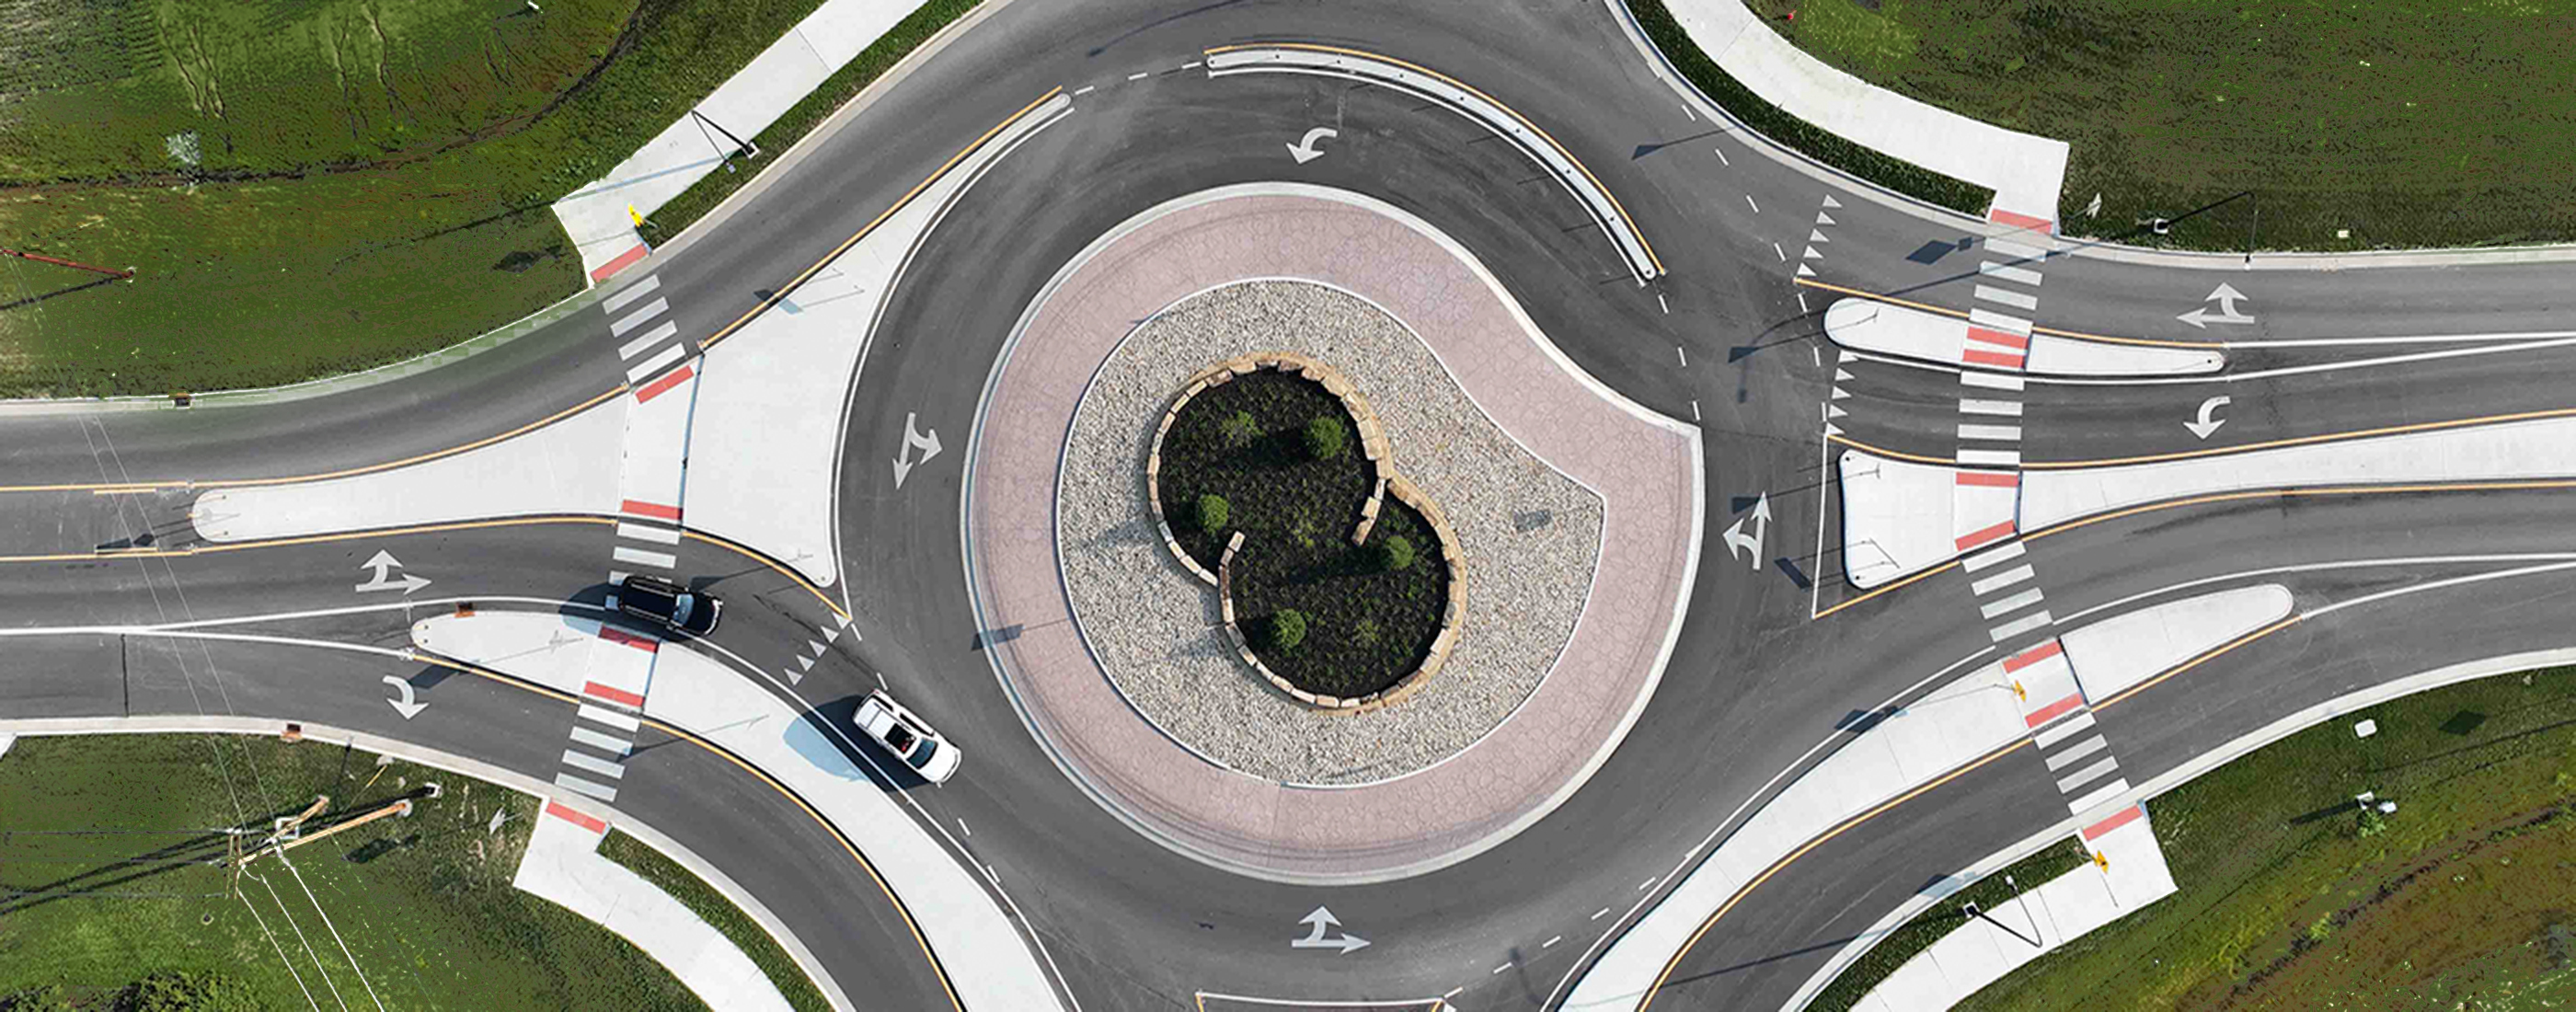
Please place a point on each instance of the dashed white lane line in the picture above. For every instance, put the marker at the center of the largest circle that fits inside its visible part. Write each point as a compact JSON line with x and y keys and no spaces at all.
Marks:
{"x":2022,"y":275}
{"x":651,"y":337}
{"x":1778,"y":252}
{"x":1684,"y":355}
{"x":2000,"y":580}
{"x":1193,"y":65}
{"x":1990,"y":433}
{"x":1721,"y":157}
{"x":1498,"y":969}
{"x":1972,"y":406}
{"x":643,"y":532}
{"x":1695,"y":409}
{"x":1991,"y":380}
{"x":604,"y":743}
{"x":611,"y":718}
{"x":1086,"y":89}
{"x":640,"y":289}
{"x":653,"y":365}
{"x":630,"y":321}
{"x":1748,"y":202}
{"x":1453,"y":992}
{"x":1551,"y":943}
{"x":2009,"y":605}
{"x":1138,"y":76}
{"x":1641,"y":886}
{"x":1597,"y":914}
{"x":640,"y":557}
{"x":961,"y":824}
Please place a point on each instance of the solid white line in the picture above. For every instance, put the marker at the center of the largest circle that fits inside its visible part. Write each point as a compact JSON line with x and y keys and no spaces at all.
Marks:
{"x":601,"y":791}
{"x":1816,"y":580}
{"x":583,"y":761}
{"x":2314,"y":567}
{"x":2296,"y":370}
{"x":1991,"y":380}
{"x":2010,"y":248}
{"x":2059,"y":731}
{"x":1991,"y":458}
{"x":2011,"y":604}
{"x":633,"y":292}
{"x":640,"y":557}
{"x":2006,"y":296}
{"x":2105,"y":793}
{"x":647,"y":532}
{"x":2018,"y":626}
{"x":2314,"y":342}
{"x":2023,"y":275}
{"x":2455,"y":581}
{"x":611,"y":718}
{"x":604,"y":743}
{"x":636,"y":319}
{"x":1973,"y":406}
{"x":1997,"y":321}
{"x":1321,"y":1002}
{"x":651,"y":337}
{"x":2067,"y":784}
{"x":653,"y":365}
{"x":2005,"y":552}
{"x":1991,"y":433}
{"x":2000,"y":580}
{"x":2076,"y":751}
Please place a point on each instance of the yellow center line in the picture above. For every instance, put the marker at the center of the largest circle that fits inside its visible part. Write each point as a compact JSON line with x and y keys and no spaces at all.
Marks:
{"x":2052,"y":331}
{"x":1497,"y":103}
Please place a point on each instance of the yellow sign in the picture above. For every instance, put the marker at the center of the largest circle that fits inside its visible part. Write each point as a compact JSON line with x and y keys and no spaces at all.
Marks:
{"x":631,"y":213}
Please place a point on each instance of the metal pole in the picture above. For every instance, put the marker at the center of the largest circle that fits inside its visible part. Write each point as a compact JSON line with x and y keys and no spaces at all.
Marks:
{"x":41,"y":258}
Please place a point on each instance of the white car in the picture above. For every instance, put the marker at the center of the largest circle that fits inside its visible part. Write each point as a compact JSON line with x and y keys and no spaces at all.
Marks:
{"x":898,"y":731}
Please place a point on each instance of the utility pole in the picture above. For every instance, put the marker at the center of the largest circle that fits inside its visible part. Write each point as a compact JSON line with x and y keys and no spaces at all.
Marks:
{"x":127,"y":273}
{"x":741,"y":147}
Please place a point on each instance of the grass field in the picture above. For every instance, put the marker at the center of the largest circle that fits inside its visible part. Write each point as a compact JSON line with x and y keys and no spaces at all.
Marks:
{"x":316,"y":187}
{"x":2401,"y":122}
{"x":103,"y":884}
{"x":1893,"y":949}
{"x":2463,"y":899}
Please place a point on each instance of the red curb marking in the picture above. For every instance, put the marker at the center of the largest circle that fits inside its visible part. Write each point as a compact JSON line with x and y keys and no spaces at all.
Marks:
{"x":1980,"y":356}
{"x":623,"y":261}
{"x":2032,"y":656}
{"x":2017,"y":220}
{"x":1975,"y":538}
{"x":2126,"y":816}
{"x":2055,"y":710}
{"x":576,"y":818}
{"x":1999,"y":479}
{"x":660,"y":386}
{"x":2005,"y":338}
{"x":624,"y":638}
{"x":614,"y":695}
{"x":649,"y":509}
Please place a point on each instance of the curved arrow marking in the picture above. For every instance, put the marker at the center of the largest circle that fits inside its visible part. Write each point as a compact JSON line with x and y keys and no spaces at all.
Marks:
{"x":2206,"y":423}
{"x":407,"y":706}
{"x":1305,"y":150}
{"x":1739,"y":543}
{"x":384,"y":563}
{"x":1319,"y":922}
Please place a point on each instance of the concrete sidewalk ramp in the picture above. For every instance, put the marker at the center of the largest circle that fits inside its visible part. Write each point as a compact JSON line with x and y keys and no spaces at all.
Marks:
{"x":2002,"y":343}
{"x":2124,"y":650}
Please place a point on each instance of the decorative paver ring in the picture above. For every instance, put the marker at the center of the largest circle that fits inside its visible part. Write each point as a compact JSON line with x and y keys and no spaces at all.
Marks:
{"x":1383,"y":480}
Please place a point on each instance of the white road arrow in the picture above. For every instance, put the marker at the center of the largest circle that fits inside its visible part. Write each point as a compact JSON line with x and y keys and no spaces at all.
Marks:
{"x":384,"y":564}
{"x":1740,"y":543}
{"x":406,"y":706}
{"x":1305,"y":150}
{"x":2202,"y":426}
{"x":2226,"y":297}
{"x":1316,"y":923}
{"x":913,"y":439}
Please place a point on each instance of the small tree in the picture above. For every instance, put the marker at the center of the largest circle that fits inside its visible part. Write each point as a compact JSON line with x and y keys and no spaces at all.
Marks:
{"x":1214,"y":513}
{"x":1287,"y":629}
{"x":1239,"y":430}
{"x":1327,"y":438}
{"x":1397,"y":552}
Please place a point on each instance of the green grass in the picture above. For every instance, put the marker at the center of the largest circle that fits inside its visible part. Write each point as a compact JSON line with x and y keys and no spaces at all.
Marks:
{"x":103,"y":883}
{"x":728,"y":920}
{"x":321,"y":230}
{"x":1895,"y":174}
{"x":2467,"y":896}
{"x":2401,"y":122}
{"x":1368,"y":626}
{"x":1989,"y":893}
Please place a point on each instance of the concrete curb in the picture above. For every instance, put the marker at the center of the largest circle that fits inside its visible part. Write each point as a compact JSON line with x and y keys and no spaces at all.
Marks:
{"x":12,"y":729}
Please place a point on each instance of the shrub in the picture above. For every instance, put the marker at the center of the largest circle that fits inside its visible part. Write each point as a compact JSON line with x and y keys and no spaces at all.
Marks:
{"x":1239,"y":430}
{"x":1287,"y":629}
{"x":1327,"y":437}
{"x":186,"y":992}
{"x":1214,"y":513}
{"x":1397,"y":552}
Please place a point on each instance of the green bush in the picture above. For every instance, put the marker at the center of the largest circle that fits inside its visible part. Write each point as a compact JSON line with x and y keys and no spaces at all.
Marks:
{"x":1327,"y":438}
{"x":185,"y":992}
{"x":1397,"y":553}
{"x":1239,"y":430}
{"x":41,"y":998}
{"x":1214,"y":513}
{"x":1287,"y":629}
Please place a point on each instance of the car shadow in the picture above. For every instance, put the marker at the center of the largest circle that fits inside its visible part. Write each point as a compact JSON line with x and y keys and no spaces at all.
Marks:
{"x":819,"y":735}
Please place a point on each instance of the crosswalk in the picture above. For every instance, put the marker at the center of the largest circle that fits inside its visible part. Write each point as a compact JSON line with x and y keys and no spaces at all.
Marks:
{"x":2061,"y":724}
{"x":1990,"y":430}
{"x":606,"y":720}
{"x":642,"y":310}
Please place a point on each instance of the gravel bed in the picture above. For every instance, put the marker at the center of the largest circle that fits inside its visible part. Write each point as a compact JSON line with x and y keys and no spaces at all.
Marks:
{"x":1532,"y":537}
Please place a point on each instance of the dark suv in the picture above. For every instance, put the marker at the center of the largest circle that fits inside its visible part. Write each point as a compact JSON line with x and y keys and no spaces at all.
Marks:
{"x":669,"y":604}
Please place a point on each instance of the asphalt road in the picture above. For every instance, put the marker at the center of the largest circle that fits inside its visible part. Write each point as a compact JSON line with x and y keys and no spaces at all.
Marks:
{"x":1728,"y":338}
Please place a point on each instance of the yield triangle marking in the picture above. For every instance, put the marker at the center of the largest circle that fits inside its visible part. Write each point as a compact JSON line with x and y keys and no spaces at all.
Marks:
{"x":1835,"y":411}
{"x":805,"y":663}
{"x":1811,"y":254}
{"x":1831,"y":202}
{"x":1824,"y":219}
{"x":1833,"y":430}
{"x":1805,"y":271}
{"x":793,"y":677}
{"x":1839,"y":393}
{"x":817,"y":648}
{"x":1817,"y":235}
{"x":1841,"y":374}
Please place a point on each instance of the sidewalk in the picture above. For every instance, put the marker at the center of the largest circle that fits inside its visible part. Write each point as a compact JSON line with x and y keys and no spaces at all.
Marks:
{"x":2025,"y":171}
{"x":562,"y":864}
{"x":597,"y":215}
